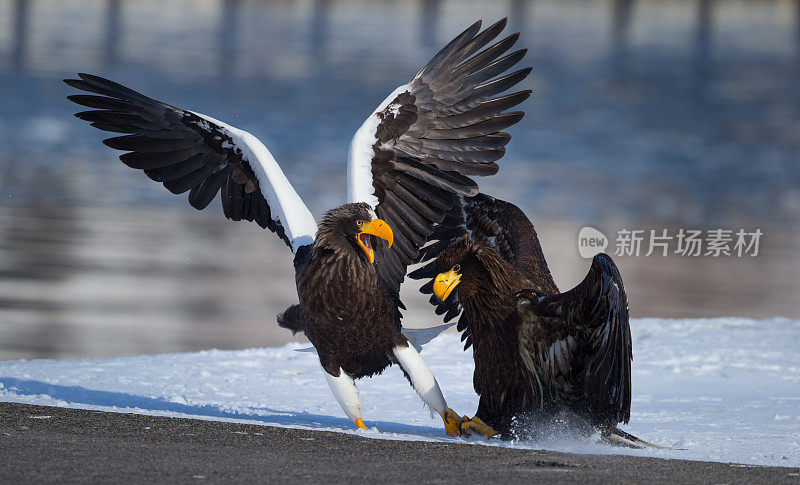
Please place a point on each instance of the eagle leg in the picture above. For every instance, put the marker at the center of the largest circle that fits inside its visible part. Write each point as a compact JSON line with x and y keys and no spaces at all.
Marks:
{"x":426,"y":386}
{"x":478,"y":425}
{"x":346,"y":393}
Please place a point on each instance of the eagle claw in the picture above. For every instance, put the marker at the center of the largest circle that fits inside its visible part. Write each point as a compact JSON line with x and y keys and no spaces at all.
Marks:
{"x":452,"y":423}
{"x":478,"y":425}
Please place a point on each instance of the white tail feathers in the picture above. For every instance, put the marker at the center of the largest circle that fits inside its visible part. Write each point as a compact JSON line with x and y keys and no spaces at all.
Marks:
{"x":417,"y":337}
{"x":422,"y":336}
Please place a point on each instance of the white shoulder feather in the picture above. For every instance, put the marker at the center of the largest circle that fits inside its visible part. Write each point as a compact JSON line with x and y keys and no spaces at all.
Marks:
{"x":286,"y":205}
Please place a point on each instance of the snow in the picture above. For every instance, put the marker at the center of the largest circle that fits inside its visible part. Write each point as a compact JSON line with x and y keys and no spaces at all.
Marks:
{"x":723,"y":389}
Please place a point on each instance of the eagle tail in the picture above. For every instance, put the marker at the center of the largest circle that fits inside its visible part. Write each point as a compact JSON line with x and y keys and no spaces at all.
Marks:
{"x":292,"y":319}
{"x":421,"y":336}
{"x":617,"y":437}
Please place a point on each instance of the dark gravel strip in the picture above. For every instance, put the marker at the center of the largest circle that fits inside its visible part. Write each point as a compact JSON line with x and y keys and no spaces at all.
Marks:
{"x":91,"y":446}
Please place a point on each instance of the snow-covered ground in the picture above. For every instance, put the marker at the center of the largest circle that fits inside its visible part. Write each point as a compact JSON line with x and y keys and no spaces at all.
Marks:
{"x":724,"y":389}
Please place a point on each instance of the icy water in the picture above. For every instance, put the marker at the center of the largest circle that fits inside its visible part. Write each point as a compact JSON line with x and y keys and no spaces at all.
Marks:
{"x":645,"y":115}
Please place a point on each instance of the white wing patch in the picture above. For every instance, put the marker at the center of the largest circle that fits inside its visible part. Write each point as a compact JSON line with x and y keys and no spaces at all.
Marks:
{"x":359,"y":158}
{"x":283,"y":201}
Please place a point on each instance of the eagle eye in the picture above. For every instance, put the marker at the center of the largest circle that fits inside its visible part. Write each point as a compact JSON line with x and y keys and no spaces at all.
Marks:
{"x":359,"y":222}
{"x":456,"y":268}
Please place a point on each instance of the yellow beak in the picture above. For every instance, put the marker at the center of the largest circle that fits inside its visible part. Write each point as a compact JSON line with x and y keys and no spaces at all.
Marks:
{"x":445,"y":283}
{"x":378,"y":228}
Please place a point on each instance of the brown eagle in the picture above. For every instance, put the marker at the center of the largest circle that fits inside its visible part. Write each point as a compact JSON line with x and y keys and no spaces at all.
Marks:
{"x":407,"y":165}
{"x":539,"y":354}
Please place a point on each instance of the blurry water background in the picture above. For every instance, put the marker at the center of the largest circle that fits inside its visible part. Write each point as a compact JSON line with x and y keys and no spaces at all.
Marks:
{"x":645,"y":115}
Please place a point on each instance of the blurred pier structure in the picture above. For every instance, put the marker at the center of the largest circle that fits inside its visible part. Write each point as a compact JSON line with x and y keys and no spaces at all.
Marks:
{"x":646,"y":115}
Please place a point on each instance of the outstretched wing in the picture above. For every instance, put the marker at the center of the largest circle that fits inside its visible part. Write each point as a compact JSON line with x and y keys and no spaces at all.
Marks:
{"x":413,"y":156}
{"x":580,"y":341}
{"x":191,"y":152}
{"x":504,"y":226}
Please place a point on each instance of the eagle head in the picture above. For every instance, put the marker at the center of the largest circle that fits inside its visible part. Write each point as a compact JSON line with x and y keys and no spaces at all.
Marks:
{"x":461,"y":264}
{"x":356,"y":224}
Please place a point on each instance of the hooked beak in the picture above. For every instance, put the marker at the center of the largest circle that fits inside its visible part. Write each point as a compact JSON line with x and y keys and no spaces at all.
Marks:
{"x":445,"y":283}
{"x":378,"y":228}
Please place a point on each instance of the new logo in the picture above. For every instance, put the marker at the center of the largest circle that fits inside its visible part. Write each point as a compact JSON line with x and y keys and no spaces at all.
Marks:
{"x":591,"y":241}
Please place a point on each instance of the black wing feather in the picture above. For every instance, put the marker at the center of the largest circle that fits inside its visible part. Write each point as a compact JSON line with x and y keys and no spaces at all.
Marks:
{"x":177,"y":148}
{"x":591,"y":322}
{"x":443,"y":129}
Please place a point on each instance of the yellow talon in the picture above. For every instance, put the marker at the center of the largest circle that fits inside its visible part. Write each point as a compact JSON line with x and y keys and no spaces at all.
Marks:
{"x":478,"y":425}
{"x":452,"y":422}
{"x":360,"y":424}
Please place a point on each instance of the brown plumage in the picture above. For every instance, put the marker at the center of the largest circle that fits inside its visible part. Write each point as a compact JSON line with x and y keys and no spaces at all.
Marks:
{"x":539,"y":354}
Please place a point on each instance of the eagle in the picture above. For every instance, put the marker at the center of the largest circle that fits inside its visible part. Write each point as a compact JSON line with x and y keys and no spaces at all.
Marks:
{"x":540,"y":355}
{"x":407,"y":165}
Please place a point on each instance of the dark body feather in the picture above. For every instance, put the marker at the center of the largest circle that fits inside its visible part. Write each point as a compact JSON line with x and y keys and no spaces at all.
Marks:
{"x":345,"y":309}
{"x":538,"y":353}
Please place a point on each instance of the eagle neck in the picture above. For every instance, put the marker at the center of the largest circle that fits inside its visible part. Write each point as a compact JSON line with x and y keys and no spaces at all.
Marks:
{"x":495,"y":301}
